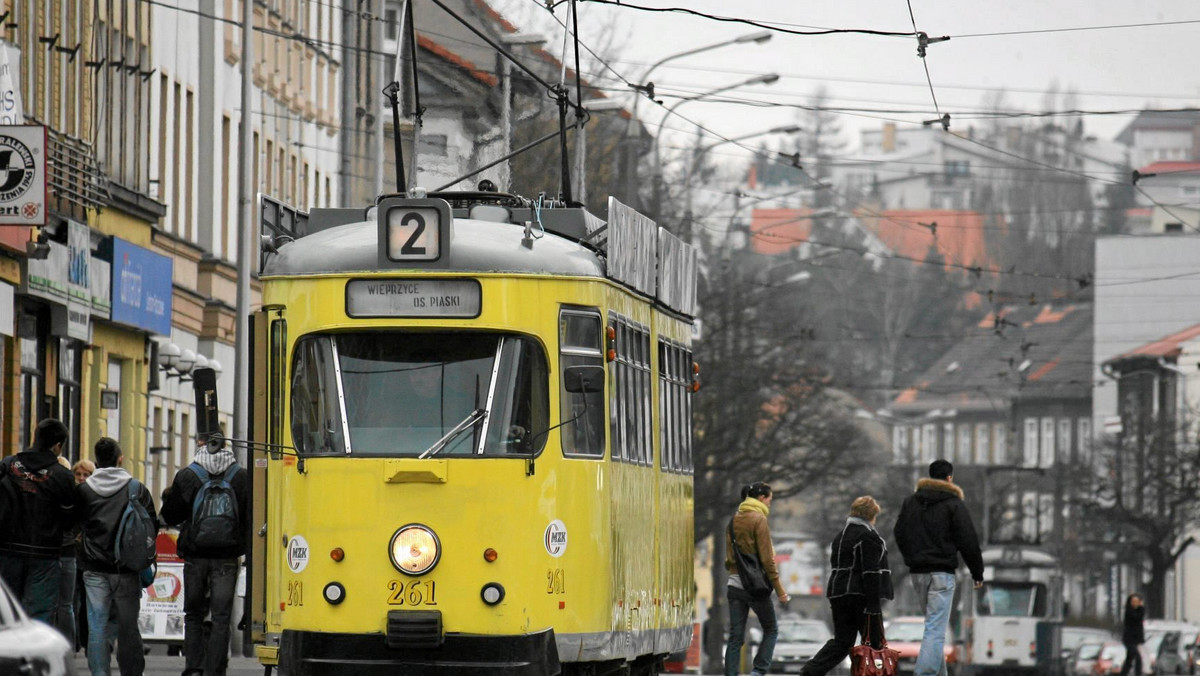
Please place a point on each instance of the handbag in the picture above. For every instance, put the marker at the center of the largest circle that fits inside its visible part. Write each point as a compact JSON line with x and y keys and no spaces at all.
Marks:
{"x":750,"y":570}
{"x":868,"y":661}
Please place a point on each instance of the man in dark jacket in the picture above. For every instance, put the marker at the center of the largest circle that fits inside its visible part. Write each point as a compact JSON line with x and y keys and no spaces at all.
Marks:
{"x":110,"y":586}
{"x":932,"y":530}
{"x":42,"y":502}
{"x":210,"y":570}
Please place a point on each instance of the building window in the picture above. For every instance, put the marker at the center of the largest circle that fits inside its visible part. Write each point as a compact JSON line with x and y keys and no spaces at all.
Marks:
{"x":964,"y":441}
{"x":1000,"y":432}
{"x":948,"y":442}
{"x":1064,"y":438}
{"x":982,"y":445}
{"x":900,"y":444}
{"x":1030,"y":450}
{"x":1084,"y":439}
{"x":1047,"y":448}
{"x":1173,"y":227}
{"x":928,"y":443}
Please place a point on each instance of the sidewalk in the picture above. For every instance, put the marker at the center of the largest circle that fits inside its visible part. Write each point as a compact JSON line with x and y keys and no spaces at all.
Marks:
{"x":158,"y":663}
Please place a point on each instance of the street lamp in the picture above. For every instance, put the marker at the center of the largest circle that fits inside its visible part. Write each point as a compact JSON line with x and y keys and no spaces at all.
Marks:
{"x":645,"y":85}
{"x":769,"y":78}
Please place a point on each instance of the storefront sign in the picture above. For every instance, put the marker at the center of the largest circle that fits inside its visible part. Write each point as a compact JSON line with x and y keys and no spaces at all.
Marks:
{"x":22,"y":175}
{"x":101,"y":288}
{"x":11,"y":108}
{"x":141,"y":288}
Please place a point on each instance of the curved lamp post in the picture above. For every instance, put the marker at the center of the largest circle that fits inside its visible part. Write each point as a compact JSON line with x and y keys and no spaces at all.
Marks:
{"x":645,"y":85}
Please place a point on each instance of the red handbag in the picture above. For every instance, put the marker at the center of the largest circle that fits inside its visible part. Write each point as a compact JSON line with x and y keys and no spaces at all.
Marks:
{"x":867,"y":661}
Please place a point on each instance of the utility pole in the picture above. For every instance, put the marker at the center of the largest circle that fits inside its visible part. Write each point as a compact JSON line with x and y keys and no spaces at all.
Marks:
{"x":245,"y":238}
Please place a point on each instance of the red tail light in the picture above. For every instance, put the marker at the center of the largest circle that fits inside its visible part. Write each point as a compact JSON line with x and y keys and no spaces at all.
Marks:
{"x":1033,"y":648}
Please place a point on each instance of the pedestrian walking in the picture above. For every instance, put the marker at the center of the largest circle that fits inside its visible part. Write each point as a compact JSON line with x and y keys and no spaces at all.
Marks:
{"x":933,"y":529}
{"x":751,"y":535}
{"x":39,"y":506}
{"x":64,"y":609}
{"x":859,"y":581}
{"x":210,"y":502}
{"x":111,"y":584}
{"x":1133,"y":635}
{"x":82,"y":470}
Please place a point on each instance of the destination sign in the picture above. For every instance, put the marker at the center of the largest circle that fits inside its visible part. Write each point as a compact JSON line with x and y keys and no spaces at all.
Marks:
{"x":413,"y":298}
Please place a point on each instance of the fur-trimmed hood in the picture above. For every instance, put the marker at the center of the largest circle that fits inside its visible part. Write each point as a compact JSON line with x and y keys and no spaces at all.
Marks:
{"x":936,"y":490}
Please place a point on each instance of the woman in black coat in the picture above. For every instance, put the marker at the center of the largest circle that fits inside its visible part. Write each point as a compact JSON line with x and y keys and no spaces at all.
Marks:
{"x":1134,"y":634}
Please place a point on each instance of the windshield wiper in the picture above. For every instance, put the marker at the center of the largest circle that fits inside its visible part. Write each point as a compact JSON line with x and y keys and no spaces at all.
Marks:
{"x":473,"y":418}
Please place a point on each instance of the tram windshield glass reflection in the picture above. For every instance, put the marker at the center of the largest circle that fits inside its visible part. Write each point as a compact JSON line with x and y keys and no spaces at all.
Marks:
{"x":1012,"y":599}
{"x":402,"y":392}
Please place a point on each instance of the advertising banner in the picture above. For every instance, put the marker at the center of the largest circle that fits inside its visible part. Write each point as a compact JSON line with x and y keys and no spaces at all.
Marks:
{"x":141,"y":287}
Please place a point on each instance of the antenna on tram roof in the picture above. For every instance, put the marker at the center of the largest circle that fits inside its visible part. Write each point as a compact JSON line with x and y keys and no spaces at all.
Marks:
{"x":407,"y":35}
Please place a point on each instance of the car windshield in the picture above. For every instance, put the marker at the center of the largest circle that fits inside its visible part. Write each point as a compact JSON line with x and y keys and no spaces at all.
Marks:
{"x":802,"y":632}
{"x":906,"y":632}
{"x":377,"y":393}
{"x":1113,"y":651}
{"x":1089,"y":651}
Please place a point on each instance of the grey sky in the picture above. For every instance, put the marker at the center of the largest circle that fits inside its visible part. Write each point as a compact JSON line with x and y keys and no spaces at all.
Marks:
{"x":1119,"y":68}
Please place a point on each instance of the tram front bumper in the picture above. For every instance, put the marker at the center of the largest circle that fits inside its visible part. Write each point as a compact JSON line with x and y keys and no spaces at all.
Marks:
{"x":305,"y":653}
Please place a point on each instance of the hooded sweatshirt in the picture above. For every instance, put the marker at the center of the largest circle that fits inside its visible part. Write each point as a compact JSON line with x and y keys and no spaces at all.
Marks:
{"x":178,"y":501}
{"x":934,"y":527}
{"x":46,"y":504}
{"x":753,"y":536}
{"x":103,"y":498}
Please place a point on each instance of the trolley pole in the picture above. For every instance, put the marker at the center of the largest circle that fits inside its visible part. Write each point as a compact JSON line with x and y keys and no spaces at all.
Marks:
{"x":245,"y":238}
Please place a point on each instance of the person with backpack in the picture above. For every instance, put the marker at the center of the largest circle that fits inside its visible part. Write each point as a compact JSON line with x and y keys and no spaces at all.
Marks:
{"x":210,"y":502}
{"x":117,"y":547}
{"x":37,"y":505}
{"x":749,"y":533}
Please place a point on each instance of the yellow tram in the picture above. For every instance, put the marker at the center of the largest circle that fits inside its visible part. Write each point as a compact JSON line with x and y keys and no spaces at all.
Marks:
{"x":471,"y":440}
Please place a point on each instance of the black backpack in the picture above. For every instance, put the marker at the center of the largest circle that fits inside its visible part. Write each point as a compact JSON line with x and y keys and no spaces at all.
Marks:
{"x":215,"y":522}
{"x":136,"y":533}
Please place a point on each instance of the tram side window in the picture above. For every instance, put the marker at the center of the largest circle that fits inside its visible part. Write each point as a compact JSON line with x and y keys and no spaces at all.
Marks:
{"x":580,"y":344}
{"x":316,"y":415}
{"x":631,"y":394}
{"x":674,"y":390}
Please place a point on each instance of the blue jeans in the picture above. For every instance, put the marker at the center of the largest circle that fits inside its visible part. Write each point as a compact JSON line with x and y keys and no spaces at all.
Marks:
{"x":740,"y":605}
{"x":935,"y":596}
{"x":35,"y":582}
{"x":208,"y":587}
{"x":108,"y":594}
{"x":64,"y":610}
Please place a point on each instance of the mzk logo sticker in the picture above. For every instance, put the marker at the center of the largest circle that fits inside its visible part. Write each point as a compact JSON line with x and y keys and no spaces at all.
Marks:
{"x":297,"y":553}
{"x":556,"y":538}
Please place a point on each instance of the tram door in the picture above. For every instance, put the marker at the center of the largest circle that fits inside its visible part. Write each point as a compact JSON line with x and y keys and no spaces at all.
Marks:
{"x":268,"y":354}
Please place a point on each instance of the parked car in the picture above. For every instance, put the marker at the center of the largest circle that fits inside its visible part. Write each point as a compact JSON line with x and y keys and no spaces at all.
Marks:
{"x":1073,"y":637}
{"x":30,"y":647}
{"x":1183,"y":661}
{"x":904,"y":635}
{"x":800,"y":639}
{"x":1083,"y":658}
{"x":1110,"y":659}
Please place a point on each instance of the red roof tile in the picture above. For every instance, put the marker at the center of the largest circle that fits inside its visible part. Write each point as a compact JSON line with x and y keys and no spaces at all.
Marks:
{"x":960,"y":236}
{"x":1161,"y":168}
{"x":444,"y":53}
{"x":777,"y":231}
{"x":1170,"y":346}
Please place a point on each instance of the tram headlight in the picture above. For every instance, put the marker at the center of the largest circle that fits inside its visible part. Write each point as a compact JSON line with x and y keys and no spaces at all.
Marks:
{"x":414,"y":549}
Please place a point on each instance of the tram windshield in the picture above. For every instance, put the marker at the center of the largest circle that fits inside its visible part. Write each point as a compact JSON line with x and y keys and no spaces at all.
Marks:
{"x":398,"y":394}
{"x":1011,"y":599}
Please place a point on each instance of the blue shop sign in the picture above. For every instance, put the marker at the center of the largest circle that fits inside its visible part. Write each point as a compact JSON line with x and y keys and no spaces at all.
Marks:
{"x":141,"y":288}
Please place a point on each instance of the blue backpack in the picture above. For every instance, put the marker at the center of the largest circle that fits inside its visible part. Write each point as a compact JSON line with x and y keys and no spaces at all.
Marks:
{"x":215,"y":522}
{"x":136,"y":533}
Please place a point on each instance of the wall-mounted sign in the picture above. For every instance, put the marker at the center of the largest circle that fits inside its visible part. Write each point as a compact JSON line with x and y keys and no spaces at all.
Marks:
{"x":22,"y":175}
{"x":141,"y":287}
{"x":110,"y":399}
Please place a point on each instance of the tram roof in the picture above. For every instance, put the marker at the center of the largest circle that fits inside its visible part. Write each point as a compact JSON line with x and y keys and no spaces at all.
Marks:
{"x":475,"y":246}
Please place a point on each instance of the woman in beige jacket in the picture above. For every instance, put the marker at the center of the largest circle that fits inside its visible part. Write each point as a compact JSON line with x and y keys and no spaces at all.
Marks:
{"x":752,"y":535}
